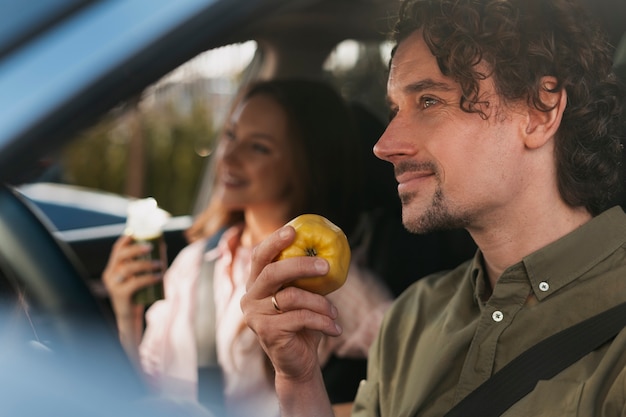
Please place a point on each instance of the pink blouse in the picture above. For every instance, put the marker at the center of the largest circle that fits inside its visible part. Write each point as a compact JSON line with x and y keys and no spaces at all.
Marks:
{"x":168,"y":349}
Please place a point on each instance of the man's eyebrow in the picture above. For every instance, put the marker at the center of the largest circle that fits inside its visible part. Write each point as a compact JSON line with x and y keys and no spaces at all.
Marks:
{"x":422,"y":85}
{"x":427,"y":84}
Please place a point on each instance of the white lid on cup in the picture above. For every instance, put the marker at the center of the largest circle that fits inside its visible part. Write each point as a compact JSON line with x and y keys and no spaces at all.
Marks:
{"x":145,"y":219}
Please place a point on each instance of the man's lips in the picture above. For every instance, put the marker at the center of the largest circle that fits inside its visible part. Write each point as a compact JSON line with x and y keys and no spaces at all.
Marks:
{"x":409,"y":181}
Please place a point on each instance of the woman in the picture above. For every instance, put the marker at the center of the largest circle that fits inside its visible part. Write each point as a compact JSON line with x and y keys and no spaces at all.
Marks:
{"x":288,"y":148}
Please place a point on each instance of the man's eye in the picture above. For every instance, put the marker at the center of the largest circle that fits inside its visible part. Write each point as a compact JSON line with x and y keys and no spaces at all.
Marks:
{"x":426,"y":102}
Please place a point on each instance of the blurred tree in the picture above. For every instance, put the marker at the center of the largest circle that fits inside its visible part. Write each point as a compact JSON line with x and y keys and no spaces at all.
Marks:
{"x":143,"y":151}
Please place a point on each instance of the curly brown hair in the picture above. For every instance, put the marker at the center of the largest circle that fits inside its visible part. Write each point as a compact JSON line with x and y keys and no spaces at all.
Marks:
{"x":522,"y":41}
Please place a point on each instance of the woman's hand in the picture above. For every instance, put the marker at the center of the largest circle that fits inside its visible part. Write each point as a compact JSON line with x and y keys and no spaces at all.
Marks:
{"x":124,"y":274}
{"x":289,"y":322}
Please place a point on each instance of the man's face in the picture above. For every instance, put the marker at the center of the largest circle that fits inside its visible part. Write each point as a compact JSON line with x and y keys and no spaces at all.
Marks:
{"x":454,"y":169}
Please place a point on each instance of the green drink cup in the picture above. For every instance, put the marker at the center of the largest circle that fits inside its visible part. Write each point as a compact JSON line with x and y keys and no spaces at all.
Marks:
{"x":150,"y":294}
{"x":145,"y":225}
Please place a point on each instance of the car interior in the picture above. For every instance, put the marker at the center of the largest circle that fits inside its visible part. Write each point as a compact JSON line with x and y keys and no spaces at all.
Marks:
{"x":50,"y":276}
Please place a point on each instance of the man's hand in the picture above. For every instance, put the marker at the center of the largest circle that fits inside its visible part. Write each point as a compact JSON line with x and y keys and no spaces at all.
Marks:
{"x":289,"y":323}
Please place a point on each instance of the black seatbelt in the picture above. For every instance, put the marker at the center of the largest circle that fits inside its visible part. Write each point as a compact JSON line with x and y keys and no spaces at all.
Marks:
{"x":540,"y":362}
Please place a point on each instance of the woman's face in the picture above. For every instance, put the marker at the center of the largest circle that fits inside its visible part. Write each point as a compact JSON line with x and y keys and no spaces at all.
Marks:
{"x":254,"y":156}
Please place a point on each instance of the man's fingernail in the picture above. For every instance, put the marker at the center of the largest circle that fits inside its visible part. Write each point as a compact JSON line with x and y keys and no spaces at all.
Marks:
{"x":321,"y":266}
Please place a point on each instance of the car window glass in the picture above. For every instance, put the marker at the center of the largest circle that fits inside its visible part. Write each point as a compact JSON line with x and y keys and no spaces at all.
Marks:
{"x":359,"y":71}
{"x":156,"y":144}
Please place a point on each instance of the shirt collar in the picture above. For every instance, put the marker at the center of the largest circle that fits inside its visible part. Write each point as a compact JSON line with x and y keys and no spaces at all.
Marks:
{"x":563,"y":261}
{"x":566,"y":259}
{"x":478,"y":277}
{"x":227,"y":244}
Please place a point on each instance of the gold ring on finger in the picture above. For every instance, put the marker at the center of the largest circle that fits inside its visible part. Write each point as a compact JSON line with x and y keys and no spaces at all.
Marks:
{"x":275,"y":304}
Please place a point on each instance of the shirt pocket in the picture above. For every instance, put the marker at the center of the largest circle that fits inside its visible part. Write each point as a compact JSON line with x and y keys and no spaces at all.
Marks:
{"x":549,"y":399}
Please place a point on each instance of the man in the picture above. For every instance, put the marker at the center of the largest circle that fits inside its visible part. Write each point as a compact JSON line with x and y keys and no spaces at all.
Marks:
{"x":506,"y":122}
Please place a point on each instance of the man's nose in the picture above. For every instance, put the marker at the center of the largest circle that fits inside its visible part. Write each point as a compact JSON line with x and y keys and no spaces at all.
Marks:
{"x":395,"y":142}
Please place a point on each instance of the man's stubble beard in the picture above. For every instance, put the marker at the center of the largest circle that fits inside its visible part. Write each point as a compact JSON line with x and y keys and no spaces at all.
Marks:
{"x":437,"y":216}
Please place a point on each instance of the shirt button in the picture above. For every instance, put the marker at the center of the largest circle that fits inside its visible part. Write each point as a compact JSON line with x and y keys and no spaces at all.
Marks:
{"x":544,"y":286}
{"x":497,"y":316}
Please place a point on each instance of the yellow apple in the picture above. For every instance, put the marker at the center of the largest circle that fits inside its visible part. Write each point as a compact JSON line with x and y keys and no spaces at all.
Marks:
{"x":318,"y":236}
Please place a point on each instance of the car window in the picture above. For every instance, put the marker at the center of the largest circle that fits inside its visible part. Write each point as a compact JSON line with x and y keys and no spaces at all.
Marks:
{"x":359,"y":70}
{"x":158,"y":143}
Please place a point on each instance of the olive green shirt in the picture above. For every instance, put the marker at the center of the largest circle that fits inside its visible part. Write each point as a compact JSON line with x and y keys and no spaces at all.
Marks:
{"x":440,"y":339}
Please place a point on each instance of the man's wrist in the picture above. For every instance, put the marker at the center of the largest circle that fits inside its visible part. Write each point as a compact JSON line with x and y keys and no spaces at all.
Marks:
{"x":303,"y":398}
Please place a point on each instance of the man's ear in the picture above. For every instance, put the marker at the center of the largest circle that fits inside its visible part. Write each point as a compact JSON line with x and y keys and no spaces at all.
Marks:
{"x":542,"y":125}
